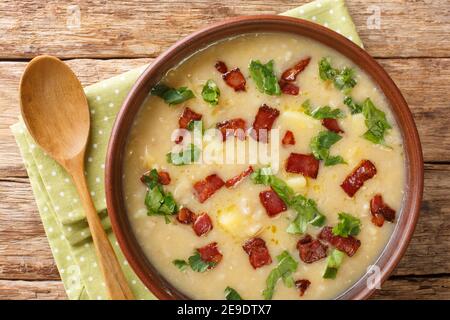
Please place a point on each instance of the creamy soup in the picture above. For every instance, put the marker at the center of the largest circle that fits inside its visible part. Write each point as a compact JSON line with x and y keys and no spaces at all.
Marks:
{"x":303,"y":223}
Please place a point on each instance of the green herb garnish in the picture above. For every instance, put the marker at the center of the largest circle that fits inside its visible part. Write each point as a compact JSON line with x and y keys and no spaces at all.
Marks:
{"x":284,"y":270}
{"x":196,"y":125}
{"x":171,"y":95}
{"x":198,"y":264}
{"x":343,"y":79}
{"x":376,"y":122}
{"x":324,"y":112}
{"x":307,"y":212}
{"x":211,"y":92}
{"x":190,"y":155}
{"x":321,"y":144}
{"x":180,"y":264}
{"x":231,"y":294}
{"x":264,"y":77}
{"x":348,"y":225}
{"x":327,"y":113}
{"x":157,"y":201}
{"x":352,"y":105}
{"x":334,"y":261}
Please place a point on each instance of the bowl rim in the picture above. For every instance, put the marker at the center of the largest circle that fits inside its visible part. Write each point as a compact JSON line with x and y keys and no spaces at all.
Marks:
{"x":405,"y":225}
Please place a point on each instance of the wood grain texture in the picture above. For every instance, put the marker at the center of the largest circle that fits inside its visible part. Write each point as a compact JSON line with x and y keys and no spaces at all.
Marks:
{"x":412,"y":43}
{"x":24,"y":253}
{"x":117,"y":28}
{"x":415,"y":288}
{"x":410,"y":288}
{"x":424,"y":83}
{"x":31,"y":290}
{"x":89,"y":71}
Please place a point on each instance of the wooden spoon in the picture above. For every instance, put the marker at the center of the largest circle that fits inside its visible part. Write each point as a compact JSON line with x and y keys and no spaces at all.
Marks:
{"x":56,"y":113}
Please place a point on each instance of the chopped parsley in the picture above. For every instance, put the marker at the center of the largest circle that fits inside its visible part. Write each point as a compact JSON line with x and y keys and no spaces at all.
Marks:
{"x":231,"y":294}
{"x":376,"y":123}
{"x":190,"y":155}
{"x":284,"y":270}
{"x":211,"y":92}
{"x":348,"y":225}
{"x":157,"y":201}
{"x":180,"y":264}
{"x":307,"y":212}
{"x":171,"y":95}
{"x":321,"y":144}
{"x":334,"y":261}
{"x":343,"y":79}
{"x":352,"y":105}
{"x":264,"y":77}
{"x":196,"y":263}
{"x":196,"y":125}
{"x":325,"y":112}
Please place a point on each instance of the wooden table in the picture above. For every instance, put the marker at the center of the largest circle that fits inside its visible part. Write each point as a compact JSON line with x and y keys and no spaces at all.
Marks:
{"x":111,"y":37}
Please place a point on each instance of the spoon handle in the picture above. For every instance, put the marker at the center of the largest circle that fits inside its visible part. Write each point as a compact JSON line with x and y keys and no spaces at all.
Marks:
{"x":115,"y":281}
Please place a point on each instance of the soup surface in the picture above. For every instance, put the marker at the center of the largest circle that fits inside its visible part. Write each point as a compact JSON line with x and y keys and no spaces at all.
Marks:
{"x":336,"y":140}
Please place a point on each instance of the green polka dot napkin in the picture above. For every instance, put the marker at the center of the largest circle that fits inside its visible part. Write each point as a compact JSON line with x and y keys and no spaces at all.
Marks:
{"x":56,"y":197}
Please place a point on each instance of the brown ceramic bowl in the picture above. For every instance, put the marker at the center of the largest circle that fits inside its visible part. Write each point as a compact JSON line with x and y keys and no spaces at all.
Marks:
{"x":407,"y":219}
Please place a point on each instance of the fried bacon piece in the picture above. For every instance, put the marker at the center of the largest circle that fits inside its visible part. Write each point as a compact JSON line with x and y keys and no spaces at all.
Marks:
{"x":332,"y":125}
{"x":210,"y":253}
{"x":306,"y":164}
{"x":230,"y":183}
{"x":207,"y":187}
{"x":232,"y":127}
{"x":302,"y":285}
{"x":381,"y":211}
{"x":186,"y":216}
{"x":258,"y":253}
{"x":163,"y":177}
{"x":288,"y":138}
{"x":349,"y":245}
{"x":311,"y":250}
{"x":235,"y":79}
{"x":221,"y":67}
{"x":202,"y":224}
{"x":355,"y":180}
{"x":289,"y":88}
{"x":187,"y":116}
{"x":291,"y":73}
{"x":272,"y":202}
{"x":264,"y":120}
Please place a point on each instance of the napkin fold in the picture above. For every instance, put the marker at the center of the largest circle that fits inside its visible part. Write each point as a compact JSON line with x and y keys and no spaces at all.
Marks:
{"x":56,"y":197}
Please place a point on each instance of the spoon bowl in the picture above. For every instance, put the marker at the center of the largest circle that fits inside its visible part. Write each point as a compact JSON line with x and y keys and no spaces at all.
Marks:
{"x":53,"y":102}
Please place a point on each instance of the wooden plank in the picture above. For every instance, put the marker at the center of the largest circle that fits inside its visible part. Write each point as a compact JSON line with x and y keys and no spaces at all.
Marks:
{"x":98,"y":28}
{"x":397,"y":288}
{"x":89,"y":71}
{"x":25,"y":255}
{"x":24,"y":250}
{"x":424,"y":83}
{"x":430,"y":245}
{"x":415,"y":288}
{"x":32,"y":290}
